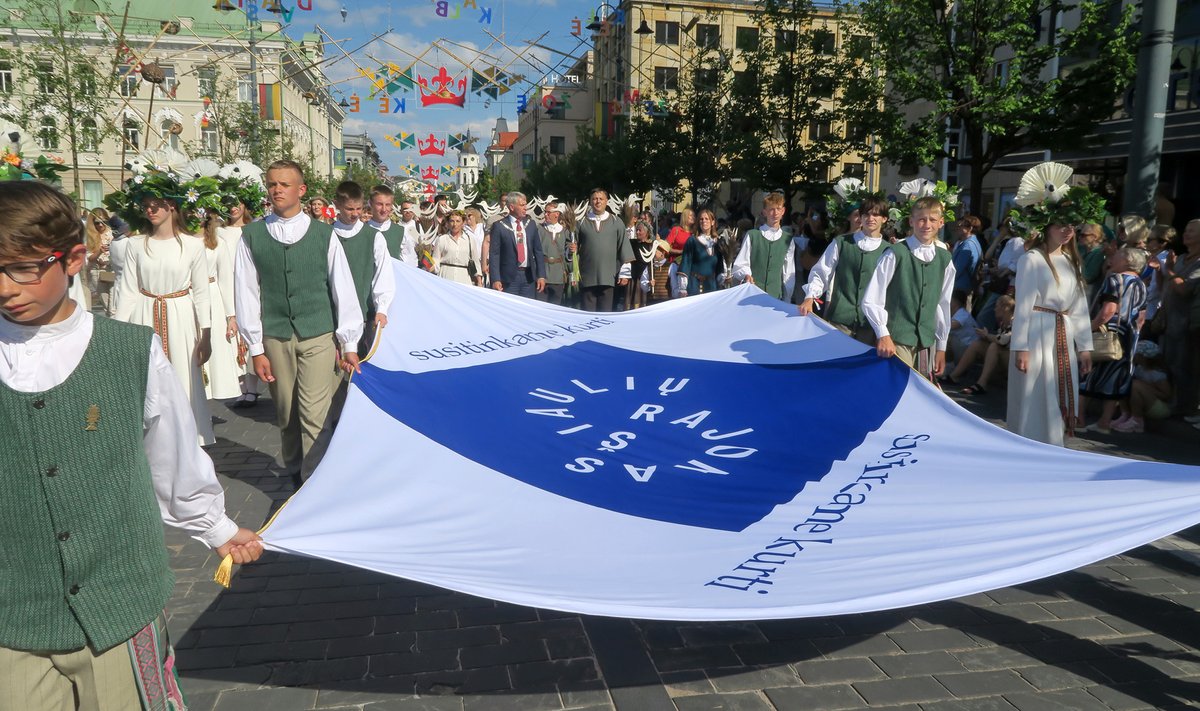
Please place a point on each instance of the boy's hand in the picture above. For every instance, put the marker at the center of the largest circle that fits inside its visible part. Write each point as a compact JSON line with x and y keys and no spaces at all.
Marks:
{"x":886,"y":347}
{"x":244,"y":547}
{"x":262,"y":368}
{"x":350,"y":363}
{"x":806,"y":307}
{"x":381,"y":320}
{"x":939,"y":363}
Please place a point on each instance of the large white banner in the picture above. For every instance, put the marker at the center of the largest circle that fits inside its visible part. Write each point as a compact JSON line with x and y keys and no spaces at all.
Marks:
{"x":713,"y":458}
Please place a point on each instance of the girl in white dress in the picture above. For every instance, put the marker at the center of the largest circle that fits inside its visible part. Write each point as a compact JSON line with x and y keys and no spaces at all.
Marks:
{"x":165,"y":285}
{"x":222,"y":367}
{"x":455,"y":252}
{"x":230,"y":235}
{"x":1051,"y":338}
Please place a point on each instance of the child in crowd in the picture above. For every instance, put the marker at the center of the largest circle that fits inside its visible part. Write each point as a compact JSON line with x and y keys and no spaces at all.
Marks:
{"x":963,"y":329}
{"x":907,"y":301}
{"x":846,"y":267}
{"x":367,"y":254}
{"x":767,"y":257}
{"x":94,"y":464}
{"x":992,"y":346}
{"x":296,"y":304}
{"x":1150,"y":394}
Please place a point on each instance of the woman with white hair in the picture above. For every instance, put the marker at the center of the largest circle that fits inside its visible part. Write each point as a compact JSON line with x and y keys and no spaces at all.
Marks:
{"x":1117,"y":308}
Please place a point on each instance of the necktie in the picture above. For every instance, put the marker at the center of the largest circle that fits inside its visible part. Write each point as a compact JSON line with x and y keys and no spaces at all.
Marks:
{"x":520,"y":244}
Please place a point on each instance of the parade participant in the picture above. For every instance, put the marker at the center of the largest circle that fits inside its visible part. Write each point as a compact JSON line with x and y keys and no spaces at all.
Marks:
{"x":243,"y":198}
{"x":84,"y":590}
{"x":407,"y":253}
{"x":907,"y":300}
{"x":292,"y":289}
{"x":603,"y":249}
{"x":659,"y":276}
{"x":700,"y":266}
{"x":164,"y":284}
{"x":1052,"y":338}
{"x":455,"y":254}
{"x":845,"y":269}
{"x":318,"y":209}
{"x":381,"y":205}
{"x":222,"y":369}
{"x":99,"y":242}
{"x":678,"y":236}
{"x":556,"y":244}
{"x":515,"y":260}
{"x":640,"y":270}
{"x":367,"y":254}
{"x":767,"y":257}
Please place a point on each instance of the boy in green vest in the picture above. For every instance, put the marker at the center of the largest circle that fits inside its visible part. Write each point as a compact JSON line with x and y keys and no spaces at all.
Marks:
{"x":766,"y":257}
{"x":845,"y":269}
{"x":296,"y":306}
{"x":907,"y":301}
{"x":100,"y":451}
{"x":367,"y":253}
{"x":381,"y":204}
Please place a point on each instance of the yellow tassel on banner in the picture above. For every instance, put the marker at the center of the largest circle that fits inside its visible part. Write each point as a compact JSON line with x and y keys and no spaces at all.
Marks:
{"x":224,"y":574}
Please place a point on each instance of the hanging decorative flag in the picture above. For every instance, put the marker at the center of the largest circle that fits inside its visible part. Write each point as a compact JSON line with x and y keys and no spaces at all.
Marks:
{"x":431,"y":146}
{"x":660,"y":476}
{"x":447,"y":187}
{"x":492,"y":82}
{"x":411,"y":170}
{"x":442,"y":89}
{"x":402,"y":140}
{"x":270,"y":101}
{"x":455,"y":141}
{"x":389,"y":79}
{"x":449,"y":170}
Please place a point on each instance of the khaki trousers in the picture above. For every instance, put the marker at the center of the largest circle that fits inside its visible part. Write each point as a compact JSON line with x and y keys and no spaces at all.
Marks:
{"x":862,"y":334}
{"x":912,"y":357}
{"x":306,"y":375}
{"x":68,"y":681}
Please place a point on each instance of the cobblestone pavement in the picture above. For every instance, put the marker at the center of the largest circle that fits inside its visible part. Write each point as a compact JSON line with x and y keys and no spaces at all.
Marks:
{"x":295,"y":634}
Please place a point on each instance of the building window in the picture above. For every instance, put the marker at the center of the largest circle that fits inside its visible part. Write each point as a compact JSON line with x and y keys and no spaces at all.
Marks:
{"x":854,"y":170}
{"x":169,"y":138}
{"x":208,"y":140}
{"x":85,"y":79}
{"x":526,"y":161}
{"x":128,"y":81}
{"x":170,"y":83}
{"x":708,"y":36}
{"x":93,"y":194}
{"x":558,"y":145}
{"x":746,"y":39}
{"x":132,"y":132}
{"x":824,"y":42}
{"x":89,"y":136}
{"x":706,"y":79}
{"x":246,"y":88}
{"x":818,"y":130}
{"x":823,"y":87}
{"x":47,"y":134}
{"x":45,"y":78}
{"x":785,"y":40}
{"x":6,"y":77}
{"x":856,"y":131}
{"x":859,"y":46}
{"x":666,"y":32}
{"x":666,"y":78}
{"x":206,"y":78}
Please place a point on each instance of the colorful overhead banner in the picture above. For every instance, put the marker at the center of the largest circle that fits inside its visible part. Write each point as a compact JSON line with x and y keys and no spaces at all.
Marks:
{"x":713,"y":458}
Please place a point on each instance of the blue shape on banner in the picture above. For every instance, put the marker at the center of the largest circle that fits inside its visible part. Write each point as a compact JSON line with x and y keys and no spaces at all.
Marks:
{"x":699,"y":443}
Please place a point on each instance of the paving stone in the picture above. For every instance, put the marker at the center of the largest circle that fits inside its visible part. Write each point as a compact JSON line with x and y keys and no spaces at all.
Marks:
{"x":515,"y":702}
{"x":732,"y":680}
{"x":1131,"y":697}
{"x":428,"y":703}
{"x":726,"y":633}
{"x":856,"y":646}
{"x":433,"y":620}
{"x":1075,"y":675}
{"x":776,"y":630}
{"x":925,"y":664}
{"x":371,"y":645}
{"x":831,"y":697}
{"x":466,"y":681}
{"x":401,"y":664}
{"x":902,"y":691}
{"x":331,"y":629}
{"x":687,"y":683}
{"x":568,"y":648}
{"x":723,"y":702}
{"x":453,"y":639}
{"x":532,"y":675}
{"x":312,"y":673}
{"x":991,"y":703}
{"x":983,"y":683}
{"x":666,"y":660}
{"x":1066,"y":700}
{"x":932,"y":640}
{"x":1126,"y":669}
{"x":1071,"y":610}
{"x":266,"y":700}
{"x":1081,"y":629}
{"x":510,"y":653}
{"x":470,"y":617}
{"x":836,"y":671}
{"x":1053,"y":651}
{"x":1007,"y":633}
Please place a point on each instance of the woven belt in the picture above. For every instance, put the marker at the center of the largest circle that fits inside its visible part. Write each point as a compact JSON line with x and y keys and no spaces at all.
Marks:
{"x":160,"y":314}
{"x":448,"y":264}
{"x":1062,"y":365}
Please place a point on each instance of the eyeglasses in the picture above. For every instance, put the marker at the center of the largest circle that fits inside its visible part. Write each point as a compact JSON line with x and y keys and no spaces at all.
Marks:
{"x":30,"y":272}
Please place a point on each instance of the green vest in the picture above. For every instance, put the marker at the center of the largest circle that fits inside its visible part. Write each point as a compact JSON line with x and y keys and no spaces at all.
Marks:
{"x":767,"y":260}
{"x":913,"y":295}
{"x":84,"y":561}
{"x":850,"y":279}
{"x":394,"y":236}
{"x":360,"y":253}
{"x":293,"y":281}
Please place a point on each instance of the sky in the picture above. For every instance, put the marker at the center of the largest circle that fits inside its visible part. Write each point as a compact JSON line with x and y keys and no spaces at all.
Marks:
{"x":374,"y":32}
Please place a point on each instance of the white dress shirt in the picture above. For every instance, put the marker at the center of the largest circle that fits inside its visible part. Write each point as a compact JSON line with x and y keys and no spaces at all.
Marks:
{"x":512,"y":225}
{"x":383,"y":282}
{"x":1011,"y":254}
{"x":820,"y":279}
{"x":741,"y":265}
{"x":289,"y":230}
{"x":38,"y":358}
{"x":408,"y":244}
{"x":874,"y":303}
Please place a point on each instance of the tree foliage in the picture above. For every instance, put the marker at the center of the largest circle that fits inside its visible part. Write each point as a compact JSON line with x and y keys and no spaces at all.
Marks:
{"x":492,"y":188}
{"x":987,"y":65}
{"x":242,"y":133}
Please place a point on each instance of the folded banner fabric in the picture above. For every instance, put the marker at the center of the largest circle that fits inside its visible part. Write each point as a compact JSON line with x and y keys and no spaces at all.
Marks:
{"x":712,"y":458}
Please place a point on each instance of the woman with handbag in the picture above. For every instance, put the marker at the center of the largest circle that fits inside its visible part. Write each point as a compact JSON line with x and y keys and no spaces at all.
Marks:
{"x":1117,"y":315}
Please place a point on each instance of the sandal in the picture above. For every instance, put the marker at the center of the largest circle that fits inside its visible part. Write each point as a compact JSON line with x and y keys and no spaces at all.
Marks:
{"x":975,"y":389}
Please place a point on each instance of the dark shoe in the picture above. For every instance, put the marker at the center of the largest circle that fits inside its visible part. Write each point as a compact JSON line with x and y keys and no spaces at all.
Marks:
{"x":975,"y":389}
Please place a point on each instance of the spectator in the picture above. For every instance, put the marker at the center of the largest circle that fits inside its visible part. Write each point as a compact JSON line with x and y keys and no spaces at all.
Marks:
{"x":993,"y":346}
{"x":1180,"y":340}
{"x":701,"y":268}
{"x":967,"y":254}
{"x":1118,"y":308}
{"x":1150,"y":393}
{"x":679,"y":234}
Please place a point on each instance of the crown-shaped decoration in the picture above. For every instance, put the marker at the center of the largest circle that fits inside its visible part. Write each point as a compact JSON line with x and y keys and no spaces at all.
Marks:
{"x":442,"y":89}
{"x":430,"y":173}
{"x":431,"y":146}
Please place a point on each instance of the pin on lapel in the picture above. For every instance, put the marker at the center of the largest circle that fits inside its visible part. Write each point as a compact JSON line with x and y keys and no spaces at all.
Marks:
{"x":92,"y":419}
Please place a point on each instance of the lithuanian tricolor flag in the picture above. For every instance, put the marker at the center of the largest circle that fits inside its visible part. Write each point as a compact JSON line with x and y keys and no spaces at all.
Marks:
{"x":270,"y":101}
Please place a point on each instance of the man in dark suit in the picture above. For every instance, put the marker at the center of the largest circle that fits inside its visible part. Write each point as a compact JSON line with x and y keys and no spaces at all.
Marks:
{"x":517,"y":265}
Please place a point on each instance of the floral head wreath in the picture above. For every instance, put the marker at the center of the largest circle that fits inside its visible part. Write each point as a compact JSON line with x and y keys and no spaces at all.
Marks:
{"x":167,"y":174}
{"x":241,"y":182}
{"x":15,"y":167}
{"x":1044,"y":198}
{"x":848,"y":195}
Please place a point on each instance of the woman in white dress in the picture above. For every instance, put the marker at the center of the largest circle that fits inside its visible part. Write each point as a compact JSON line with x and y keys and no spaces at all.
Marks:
{"x":165,"y":285}
{"x":222,"y":367}
{"x":230,"y":235}
{"x":1051,"y":338}
{"x":455,"y":253}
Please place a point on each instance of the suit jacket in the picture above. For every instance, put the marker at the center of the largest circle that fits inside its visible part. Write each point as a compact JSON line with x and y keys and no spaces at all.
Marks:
{"x":502,"y":251}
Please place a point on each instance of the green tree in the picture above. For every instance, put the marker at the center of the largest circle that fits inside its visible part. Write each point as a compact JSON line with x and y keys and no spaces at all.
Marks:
{"x":799,"y":105}
{"x":492,"y":188}
{"x":988,"y":66}
{"x":596,"y":162}
{"x":66,"y":77}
